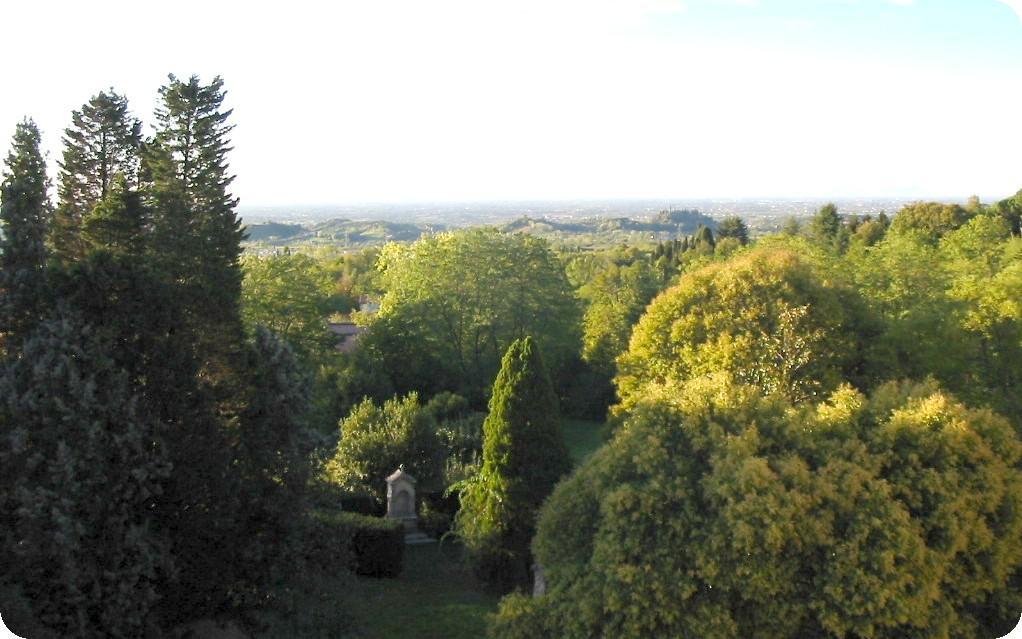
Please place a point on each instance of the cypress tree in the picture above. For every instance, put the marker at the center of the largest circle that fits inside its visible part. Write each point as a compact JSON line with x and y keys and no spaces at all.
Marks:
{"x":81,"y":465}
{"x":103,"y":141}
{"x":524,"y":456}
{"x":704,"y":237}
{"x":24,"y":212}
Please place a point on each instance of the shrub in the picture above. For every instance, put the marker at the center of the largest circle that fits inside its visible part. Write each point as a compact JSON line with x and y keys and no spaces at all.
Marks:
{"x":376,"y":545}
{"x":376,"y":440}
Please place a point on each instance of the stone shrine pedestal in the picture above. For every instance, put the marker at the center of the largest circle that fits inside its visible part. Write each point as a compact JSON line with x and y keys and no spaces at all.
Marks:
{"x":401,"y":499}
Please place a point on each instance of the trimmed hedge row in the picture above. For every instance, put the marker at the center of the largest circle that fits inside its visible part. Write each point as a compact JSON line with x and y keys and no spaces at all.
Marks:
{"x":375,"y":546}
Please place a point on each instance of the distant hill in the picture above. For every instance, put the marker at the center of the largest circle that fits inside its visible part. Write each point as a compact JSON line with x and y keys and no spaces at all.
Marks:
{"x":337,"y":232}
{"x":272,"y":231}
{"x":590,"y":231}
{"x":677,"y":222}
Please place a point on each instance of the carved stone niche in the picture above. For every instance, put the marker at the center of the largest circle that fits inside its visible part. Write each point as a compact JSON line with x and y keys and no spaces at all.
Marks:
{"x":401,"y":498}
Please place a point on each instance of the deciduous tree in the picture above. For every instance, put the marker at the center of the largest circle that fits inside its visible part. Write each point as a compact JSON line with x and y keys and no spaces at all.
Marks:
{"x":718,"y":513}
{"x":466,"y":296}
{"x":767,"y":317}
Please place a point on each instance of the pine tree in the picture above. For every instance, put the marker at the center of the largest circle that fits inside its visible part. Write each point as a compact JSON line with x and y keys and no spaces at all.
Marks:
{"x":24,"y":212}
{"x":192,"y":182}
{"x":825,"y":225}
{"x":524,"y":456}
{"x":119,"y":223}
{"x":103,"y":141}
{"x":734,"y":226}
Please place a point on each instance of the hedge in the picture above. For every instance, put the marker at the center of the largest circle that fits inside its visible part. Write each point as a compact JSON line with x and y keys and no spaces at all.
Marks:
{"x":375,"y":545}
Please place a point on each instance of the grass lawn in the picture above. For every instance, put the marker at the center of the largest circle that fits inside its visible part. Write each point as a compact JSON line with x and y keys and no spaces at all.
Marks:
{"x":582,"y":437}
{"x":436,"y":597}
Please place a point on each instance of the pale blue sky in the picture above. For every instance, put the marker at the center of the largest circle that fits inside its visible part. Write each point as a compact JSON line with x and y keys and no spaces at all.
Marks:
{"x":471,"y":100}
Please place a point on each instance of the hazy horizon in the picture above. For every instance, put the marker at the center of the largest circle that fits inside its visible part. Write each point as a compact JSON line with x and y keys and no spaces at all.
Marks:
{"x":481,"y":212}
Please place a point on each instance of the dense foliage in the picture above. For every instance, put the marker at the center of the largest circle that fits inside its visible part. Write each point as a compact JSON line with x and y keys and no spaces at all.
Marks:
{"x":153,"y":459}
{"x":456,"y":301}
{"x":289,"y":294}
{"x":375,"y":546}
{"x":767,"y":317}
{"x":24,"y":212}
{"x":376,"y":440}
{"x":166,"y":405}
{"x":717,"y":512}
{"x":82,"y":467}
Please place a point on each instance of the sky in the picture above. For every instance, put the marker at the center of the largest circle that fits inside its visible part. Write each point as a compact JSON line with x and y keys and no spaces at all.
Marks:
{"x":472,"y":100}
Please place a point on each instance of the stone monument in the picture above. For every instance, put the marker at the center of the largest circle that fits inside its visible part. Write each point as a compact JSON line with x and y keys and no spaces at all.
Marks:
{"x":401,"y":499}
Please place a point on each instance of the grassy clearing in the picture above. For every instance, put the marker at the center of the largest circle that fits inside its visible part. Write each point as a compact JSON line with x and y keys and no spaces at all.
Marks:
{"x":582,"y":437}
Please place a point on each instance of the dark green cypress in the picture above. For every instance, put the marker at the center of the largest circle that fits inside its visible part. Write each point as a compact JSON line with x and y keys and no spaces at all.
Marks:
{"x":524,"y":456}
{"x":704,"y":237}
{"x":24,"y":212}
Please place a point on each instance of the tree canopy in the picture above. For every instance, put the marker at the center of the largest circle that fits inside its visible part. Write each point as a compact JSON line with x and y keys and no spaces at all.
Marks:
{"x":461,"y":298}
{"x":290,"y":295}
{"x":717,"y":512}
{"x":767,"y":317}
{"x":930,"y":219}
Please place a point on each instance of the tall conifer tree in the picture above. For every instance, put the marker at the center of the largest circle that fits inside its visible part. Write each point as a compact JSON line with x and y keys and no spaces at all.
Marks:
{"x":524,"y":456}
{"x":103,"y":141}
{"x":24,"y":212}
{"x":193,"y":177}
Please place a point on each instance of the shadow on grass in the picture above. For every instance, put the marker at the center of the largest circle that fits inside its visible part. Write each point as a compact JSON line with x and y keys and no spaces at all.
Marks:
{"x":436,"y":596}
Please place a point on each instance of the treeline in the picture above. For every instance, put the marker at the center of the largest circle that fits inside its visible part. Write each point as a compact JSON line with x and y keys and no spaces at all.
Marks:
{"x":153,"y":455}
